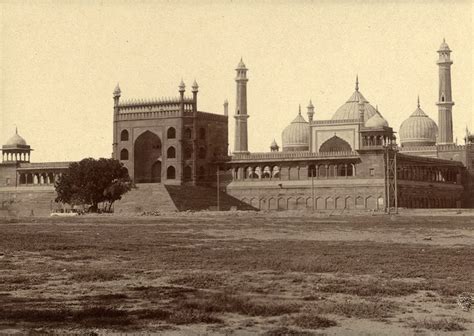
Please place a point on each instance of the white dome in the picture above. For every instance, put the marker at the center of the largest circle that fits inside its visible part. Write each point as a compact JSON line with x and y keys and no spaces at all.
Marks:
{"x":418,"y":130}
{"x":16,"y":140}
{"x":295,"y":136}
{"x":376,"y":121}
{"x":350,"y":109}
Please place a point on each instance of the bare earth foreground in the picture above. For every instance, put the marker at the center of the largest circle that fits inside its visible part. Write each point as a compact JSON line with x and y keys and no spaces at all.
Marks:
{"x":237,"y":274}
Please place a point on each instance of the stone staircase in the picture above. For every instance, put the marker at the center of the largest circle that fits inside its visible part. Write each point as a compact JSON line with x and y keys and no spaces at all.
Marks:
{"x":196,"y":198}
{"x":145,"y":197}
{"x":28,"y":201}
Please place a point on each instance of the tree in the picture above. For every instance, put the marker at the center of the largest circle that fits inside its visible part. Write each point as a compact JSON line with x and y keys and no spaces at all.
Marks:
{"x":90,"y":182}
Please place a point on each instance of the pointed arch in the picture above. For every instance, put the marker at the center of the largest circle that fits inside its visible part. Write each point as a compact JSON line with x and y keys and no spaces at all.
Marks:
{"x":335,"y":144}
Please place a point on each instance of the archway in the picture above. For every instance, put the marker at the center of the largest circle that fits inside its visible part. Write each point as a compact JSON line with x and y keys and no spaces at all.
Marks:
{"x":147,"y":152}
{"x":335,"y":144}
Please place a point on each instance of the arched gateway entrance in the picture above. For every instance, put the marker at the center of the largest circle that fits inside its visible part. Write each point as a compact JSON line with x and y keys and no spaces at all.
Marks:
{"x":147,"y":158}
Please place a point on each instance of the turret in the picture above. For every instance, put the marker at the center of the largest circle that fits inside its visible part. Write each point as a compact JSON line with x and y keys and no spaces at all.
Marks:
{"x":226,"y":107}
{"x":310,"y":111}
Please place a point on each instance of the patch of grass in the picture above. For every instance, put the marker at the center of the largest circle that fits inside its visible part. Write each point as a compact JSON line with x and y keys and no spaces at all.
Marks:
{"x":365,"y":310}
{"x":451,"y":324}
{"x":310,"y":320}
{"x":152,"y":314}
{"x":163,"y":292}
{"x":227,"y":303}
{"x":285,"y":331}
{"x":96,"y":275}
{"x":200,"y":280}
{"x":192,"y":316}
{"x":371,"y":288}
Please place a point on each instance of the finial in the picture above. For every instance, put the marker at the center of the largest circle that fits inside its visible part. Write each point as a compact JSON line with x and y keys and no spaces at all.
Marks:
{"x":310,"y":104}
{"x":444,"y":40}
{"x":195,"y":86}
{"x":299,"y":109}
{"x":182,"y":85}
{"x":377,"y":107}
{"x":418,"y":101}
{"x":16,"y":129}
{"x":357,"y":82}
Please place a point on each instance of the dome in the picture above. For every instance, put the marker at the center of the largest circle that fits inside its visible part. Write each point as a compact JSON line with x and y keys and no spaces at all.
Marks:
{"x":350,"y":110}
{"x":296,"y":135}
{"x":376,"y":121}
{"x":444,"y":46}
{"x":418,"y":130}
{"x":16,"y":140}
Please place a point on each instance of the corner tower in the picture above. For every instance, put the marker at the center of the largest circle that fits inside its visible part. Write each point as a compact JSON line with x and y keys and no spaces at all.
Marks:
{"x":241,"y":138}
{"x":445,"y":103}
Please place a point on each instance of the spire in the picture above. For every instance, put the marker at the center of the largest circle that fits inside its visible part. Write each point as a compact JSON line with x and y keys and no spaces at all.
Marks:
{"x":117,"y":91}
{"x":299,"y":109}
{"x":181,"y":86}
{"x":16,"y":129}
{"x":418,"y":104}
{"x":357,"y":82}
{"x":310,"y":104}
{"x":195,"y":86}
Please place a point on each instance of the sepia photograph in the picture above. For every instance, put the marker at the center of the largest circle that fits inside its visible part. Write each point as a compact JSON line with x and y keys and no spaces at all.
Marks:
{"x":226,"y":167}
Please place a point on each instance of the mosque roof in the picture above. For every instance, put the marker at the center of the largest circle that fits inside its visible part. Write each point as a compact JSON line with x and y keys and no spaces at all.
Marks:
{"x":296,"y":133}
{"x":350,"y":109}
{"x":418,"y":128}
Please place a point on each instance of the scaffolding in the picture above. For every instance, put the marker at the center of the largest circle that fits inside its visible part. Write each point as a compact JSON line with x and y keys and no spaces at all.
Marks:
{"x":391,"y":193}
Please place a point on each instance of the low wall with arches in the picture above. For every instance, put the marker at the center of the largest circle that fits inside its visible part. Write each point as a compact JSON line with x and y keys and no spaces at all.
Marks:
{"x":298,"y":195}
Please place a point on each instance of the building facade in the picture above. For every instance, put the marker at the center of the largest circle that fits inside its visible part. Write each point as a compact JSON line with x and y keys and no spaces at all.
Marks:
{"x":353,"y":161}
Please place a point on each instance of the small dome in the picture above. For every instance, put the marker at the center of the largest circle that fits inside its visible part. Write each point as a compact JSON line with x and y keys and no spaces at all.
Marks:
{"x":444,"y":46}
{"x":376,"y":121}
{"x":350,"y":110}
{"x":241,"y":64}
{"x":16,"y":140}
{"x":418,"y":130}
{"x":295,"y":136}
{"x":117,"y":91}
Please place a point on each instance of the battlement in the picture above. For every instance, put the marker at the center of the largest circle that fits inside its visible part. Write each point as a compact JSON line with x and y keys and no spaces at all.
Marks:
{"x":154,"y":101}
{"x":418,"y":149}
{"x":332,"y":122}
{"x":291,"y":155}
{"x":451,"y":147}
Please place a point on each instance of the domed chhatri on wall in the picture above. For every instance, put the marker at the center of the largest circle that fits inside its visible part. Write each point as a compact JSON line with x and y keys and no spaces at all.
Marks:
{"x":16,"y":149}
{"x":350,"y":109}
{"x":418,"y":129}
{"x":295,"y":136}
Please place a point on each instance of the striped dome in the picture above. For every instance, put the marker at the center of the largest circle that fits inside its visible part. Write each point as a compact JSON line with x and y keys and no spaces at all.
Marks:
{"x":418,"y":130}
{"x":296,"y":135}
{"x":350,"y":110}
{"x":376,"y":121}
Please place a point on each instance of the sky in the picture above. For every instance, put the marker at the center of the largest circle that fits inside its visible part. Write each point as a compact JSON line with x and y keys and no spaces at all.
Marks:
{"x":60,"y":61}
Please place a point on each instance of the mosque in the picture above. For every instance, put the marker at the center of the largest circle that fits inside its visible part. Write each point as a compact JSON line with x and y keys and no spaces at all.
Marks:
{"x":352,"y":161}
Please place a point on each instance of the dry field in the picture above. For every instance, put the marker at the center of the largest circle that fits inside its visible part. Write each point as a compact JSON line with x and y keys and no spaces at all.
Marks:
{"x":236,"y":274}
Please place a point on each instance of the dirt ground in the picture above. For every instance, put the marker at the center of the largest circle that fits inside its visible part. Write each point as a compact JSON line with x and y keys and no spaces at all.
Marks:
{"x":237,"y":273}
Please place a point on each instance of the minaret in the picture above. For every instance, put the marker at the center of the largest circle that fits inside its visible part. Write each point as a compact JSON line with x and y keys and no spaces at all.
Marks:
{"x":226,"y":107}
{"x":116,"y":94}
{"x":445,"y":103}
{"x":241,"y":140}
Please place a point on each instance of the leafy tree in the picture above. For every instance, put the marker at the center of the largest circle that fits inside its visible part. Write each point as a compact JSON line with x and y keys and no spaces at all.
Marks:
{"x":90,"y":182}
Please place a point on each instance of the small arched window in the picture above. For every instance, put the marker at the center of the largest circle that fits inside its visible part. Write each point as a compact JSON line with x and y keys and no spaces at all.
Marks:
{"x":124,"y":135}
{"x":187,"y":133}
{"x":171,"y":173}
{"x":187,"y":173}
{"x":188,"y":153}
{"x":124,"y":154}
{"x":171,"y":134}
{"x":202,"y":133}
{"x":171,"y":153}
{"x":202,"y":153}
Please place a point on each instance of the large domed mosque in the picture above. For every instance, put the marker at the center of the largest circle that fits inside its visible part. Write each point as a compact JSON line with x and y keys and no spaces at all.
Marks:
{"x":355,"y":161}
{"x":352,"y":161}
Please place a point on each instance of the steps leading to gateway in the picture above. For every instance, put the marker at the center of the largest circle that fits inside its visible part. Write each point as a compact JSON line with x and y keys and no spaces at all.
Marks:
{"x":145,"y":197}
{"x":196,"y":198}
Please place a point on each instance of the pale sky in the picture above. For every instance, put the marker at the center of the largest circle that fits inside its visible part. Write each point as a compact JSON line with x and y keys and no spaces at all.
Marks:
{"x":60,"y":63}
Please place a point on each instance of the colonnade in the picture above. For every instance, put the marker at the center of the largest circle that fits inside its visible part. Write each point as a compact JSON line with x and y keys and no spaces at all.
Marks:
{"x":13,"y":157}
{"x":428,"y":174}
{"x":38,"y":178}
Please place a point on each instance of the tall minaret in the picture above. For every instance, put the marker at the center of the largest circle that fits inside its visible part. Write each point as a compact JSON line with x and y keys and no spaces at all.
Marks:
{"x":116,"y":94}
{"x":445,"y":103}
{"x":241,"y":140}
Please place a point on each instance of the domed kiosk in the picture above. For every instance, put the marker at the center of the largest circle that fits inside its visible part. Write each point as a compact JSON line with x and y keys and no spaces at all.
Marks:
{"x":296,"y":135}
{"x":16,"y":149}
{"x":418,"y":130}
